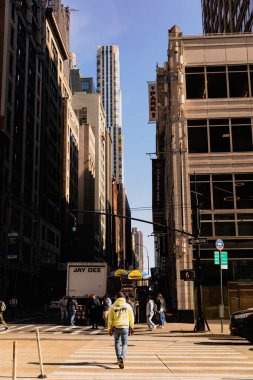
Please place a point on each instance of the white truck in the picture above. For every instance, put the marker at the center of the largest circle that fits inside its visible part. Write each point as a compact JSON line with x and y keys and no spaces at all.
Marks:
{"x":85,"y":278}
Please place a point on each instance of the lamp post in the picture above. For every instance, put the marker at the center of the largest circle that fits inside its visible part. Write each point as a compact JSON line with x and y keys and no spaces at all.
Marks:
{"x":146,"y":252}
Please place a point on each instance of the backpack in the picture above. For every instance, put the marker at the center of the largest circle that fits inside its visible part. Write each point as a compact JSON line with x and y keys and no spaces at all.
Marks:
{"x":2,"y":306}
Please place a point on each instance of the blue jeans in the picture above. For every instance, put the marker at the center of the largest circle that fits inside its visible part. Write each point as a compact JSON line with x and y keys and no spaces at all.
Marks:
{"x":121,"y":334}
{"x":72,"y":315}
{"x":162,"y":318}
{"x":64,"y":316}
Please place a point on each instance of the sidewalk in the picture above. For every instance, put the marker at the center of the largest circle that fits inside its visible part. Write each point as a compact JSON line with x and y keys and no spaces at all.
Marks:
{"x":186,"y":329}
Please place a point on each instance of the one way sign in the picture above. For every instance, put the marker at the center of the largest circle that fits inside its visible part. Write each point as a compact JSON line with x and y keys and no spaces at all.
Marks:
{"x":198,"y":241}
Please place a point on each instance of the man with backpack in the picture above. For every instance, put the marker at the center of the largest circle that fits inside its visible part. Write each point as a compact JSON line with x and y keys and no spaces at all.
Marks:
{"x":2,"y":309}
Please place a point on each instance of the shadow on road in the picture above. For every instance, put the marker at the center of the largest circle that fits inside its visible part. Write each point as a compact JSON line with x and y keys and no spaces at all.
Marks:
{"x":81,"y":364}
{"x":226,"y":343}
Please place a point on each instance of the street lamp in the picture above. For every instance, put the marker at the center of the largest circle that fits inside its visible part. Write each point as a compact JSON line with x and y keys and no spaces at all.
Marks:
{"x":146,"y":252}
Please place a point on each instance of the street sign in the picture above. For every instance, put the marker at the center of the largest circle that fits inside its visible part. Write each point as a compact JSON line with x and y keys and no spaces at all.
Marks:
{"x":224,"y":259}
{"x":198,"y":241}
{"x":219,"y":244}
{"x":216,"y":257}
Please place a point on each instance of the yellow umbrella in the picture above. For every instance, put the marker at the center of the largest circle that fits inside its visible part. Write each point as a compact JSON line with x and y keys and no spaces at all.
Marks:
{"x":136,"y":274}
{"x":118,"y":273}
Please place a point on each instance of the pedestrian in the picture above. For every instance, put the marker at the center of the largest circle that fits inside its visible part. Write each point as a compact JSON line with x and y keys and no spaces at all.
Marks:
{"x":71,"y":308}
{"x":94,"y":310}
{"x":130,"y":302}
{"x":161,"y":308}
{"x":63,"y":303}
{"x":2,"y":309}
{"x":120,"y":318}
{"x":150,"y":311}
{"x":13,"y":305}
{"x":106,"y":303}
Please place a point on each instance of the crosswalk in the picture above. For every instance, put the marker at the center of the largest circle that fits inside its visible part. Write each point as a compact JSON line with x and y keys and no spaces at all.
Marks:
{"x":52,"y":329}
{"x":177,"y":360}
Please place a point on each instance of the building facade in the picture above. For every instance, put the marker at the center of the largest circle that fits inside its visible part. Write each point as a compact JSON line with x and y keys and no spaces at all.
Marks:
{"x":108,"y":85}
{"x":138,"y":248}
{"x":21,"y":61}
{"x":209,"y":153}
{"x":93,"y":114}
{"x":227,"y":16}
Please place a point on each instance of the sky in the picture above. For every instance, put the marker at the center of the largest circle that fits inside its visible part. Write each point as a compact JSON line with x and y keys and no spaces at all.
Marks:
{"x":140,"y":29}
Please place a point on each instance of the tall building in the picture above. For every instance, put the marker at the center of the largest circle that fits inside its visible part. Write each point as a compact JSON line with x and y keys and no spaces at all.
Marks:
{"x":78,"y":83}
{"x":21,"y":62}
{"x":93,"y":113}
{"x":108,"y":85}
{"x":208,"y":154}
{"x":227,"y":16}
{"x":137,"y":248}
{"x":86,"y":186}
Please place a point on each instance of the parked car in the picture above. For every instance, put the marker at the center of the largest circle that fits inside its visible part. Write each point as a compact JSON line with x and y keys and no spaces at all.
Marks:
{"x":241,"y":324}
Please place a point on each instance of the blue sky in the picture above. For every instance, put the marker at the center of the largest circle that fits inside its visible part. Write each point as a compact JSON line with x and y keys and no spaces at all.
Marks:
{"x":140,"y":28}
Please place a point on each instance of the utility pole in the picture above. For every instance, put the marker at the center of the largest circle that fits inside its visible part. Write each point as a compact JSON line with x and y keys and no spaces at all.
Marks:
{"x":200,"y":321}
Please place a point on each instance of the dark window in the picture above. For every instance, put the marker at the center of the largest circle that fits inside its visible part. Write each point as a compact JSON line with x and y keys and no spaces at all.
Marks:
{"x":206,"y":229}
{"x":238,"y":81}
{"x":224,"y":229}
{"x":85,"y":86}
{"x":195,"y":83}
{"x":244,"y":194}
{"x":201,"y":191}
{"x":197,"y":140}
{"x":50,"y":237}
{"x":241,"y":135}
{"x":245,"y":228}
{"x":219,"y":139}
{"x":216,"y":82}
{"x":223,"y":195}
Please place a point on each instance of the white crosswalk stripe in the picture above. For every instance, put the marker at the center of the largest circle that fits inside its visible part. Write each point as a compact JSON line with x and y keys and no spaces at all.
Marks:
{"x":180,"y":361}
{"x":49,"y":329}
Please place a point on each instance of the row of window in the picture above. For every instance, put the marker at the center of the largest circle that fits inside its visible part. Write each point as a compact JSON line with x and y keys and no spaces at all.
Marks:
{"x":219,"y":82}
{"x":223,"y":191}
{"x":227,"y":228}
{"x":220,"y":135}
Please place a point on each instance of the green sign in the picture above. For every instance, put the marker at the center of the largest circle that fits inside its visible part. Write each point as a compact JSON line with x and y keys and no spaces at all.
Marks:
{"x":216,"y":257}
{"x":224,"y":258}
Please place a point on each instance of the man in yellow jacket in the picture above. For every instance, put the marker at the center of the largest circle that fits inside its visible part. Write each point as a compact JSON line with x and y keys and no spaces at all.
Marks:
{"x":120,"y":319}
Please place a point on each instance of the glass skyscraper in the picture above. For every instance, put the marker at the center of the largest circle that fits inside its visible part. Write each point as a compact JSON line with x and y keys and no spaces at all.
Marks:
{"x":227,"y":16}
{"x":108,"y":85}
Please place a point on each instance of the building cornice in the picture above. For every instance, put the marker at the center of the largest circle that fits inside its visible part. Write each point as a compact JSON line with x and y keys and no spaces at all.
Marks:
{"x":56,"y":32}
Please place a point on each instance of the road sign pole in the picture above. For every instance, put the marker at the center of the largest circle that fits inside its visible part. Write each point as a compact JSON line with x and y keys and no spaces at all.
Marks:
{"x":221,"y":294}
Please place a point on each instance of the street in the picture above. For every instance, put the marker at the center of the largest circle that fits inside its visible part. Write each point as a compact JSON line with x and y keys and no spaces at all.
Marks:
{"x":81,"y":353}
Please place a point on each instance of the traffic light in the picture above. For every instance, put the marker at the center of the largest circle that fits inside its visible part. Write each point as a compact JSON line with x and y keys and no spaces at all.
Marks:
{"x":187,"y":274}
{"x":74,"y":226}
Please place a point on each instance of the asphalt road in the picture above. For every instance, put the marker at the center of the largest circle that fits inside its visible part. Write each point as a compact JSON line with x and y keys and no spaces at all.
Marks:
{"x":81,"y":353}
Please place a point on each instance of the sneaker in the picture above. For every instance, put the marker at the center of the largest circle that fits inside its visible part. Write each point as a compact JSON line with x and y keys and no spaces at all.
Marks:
{"x":121,"y":362}
{"x":6,"y":328}
{"x":154,"y":327}
{"x":117,"y":361}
